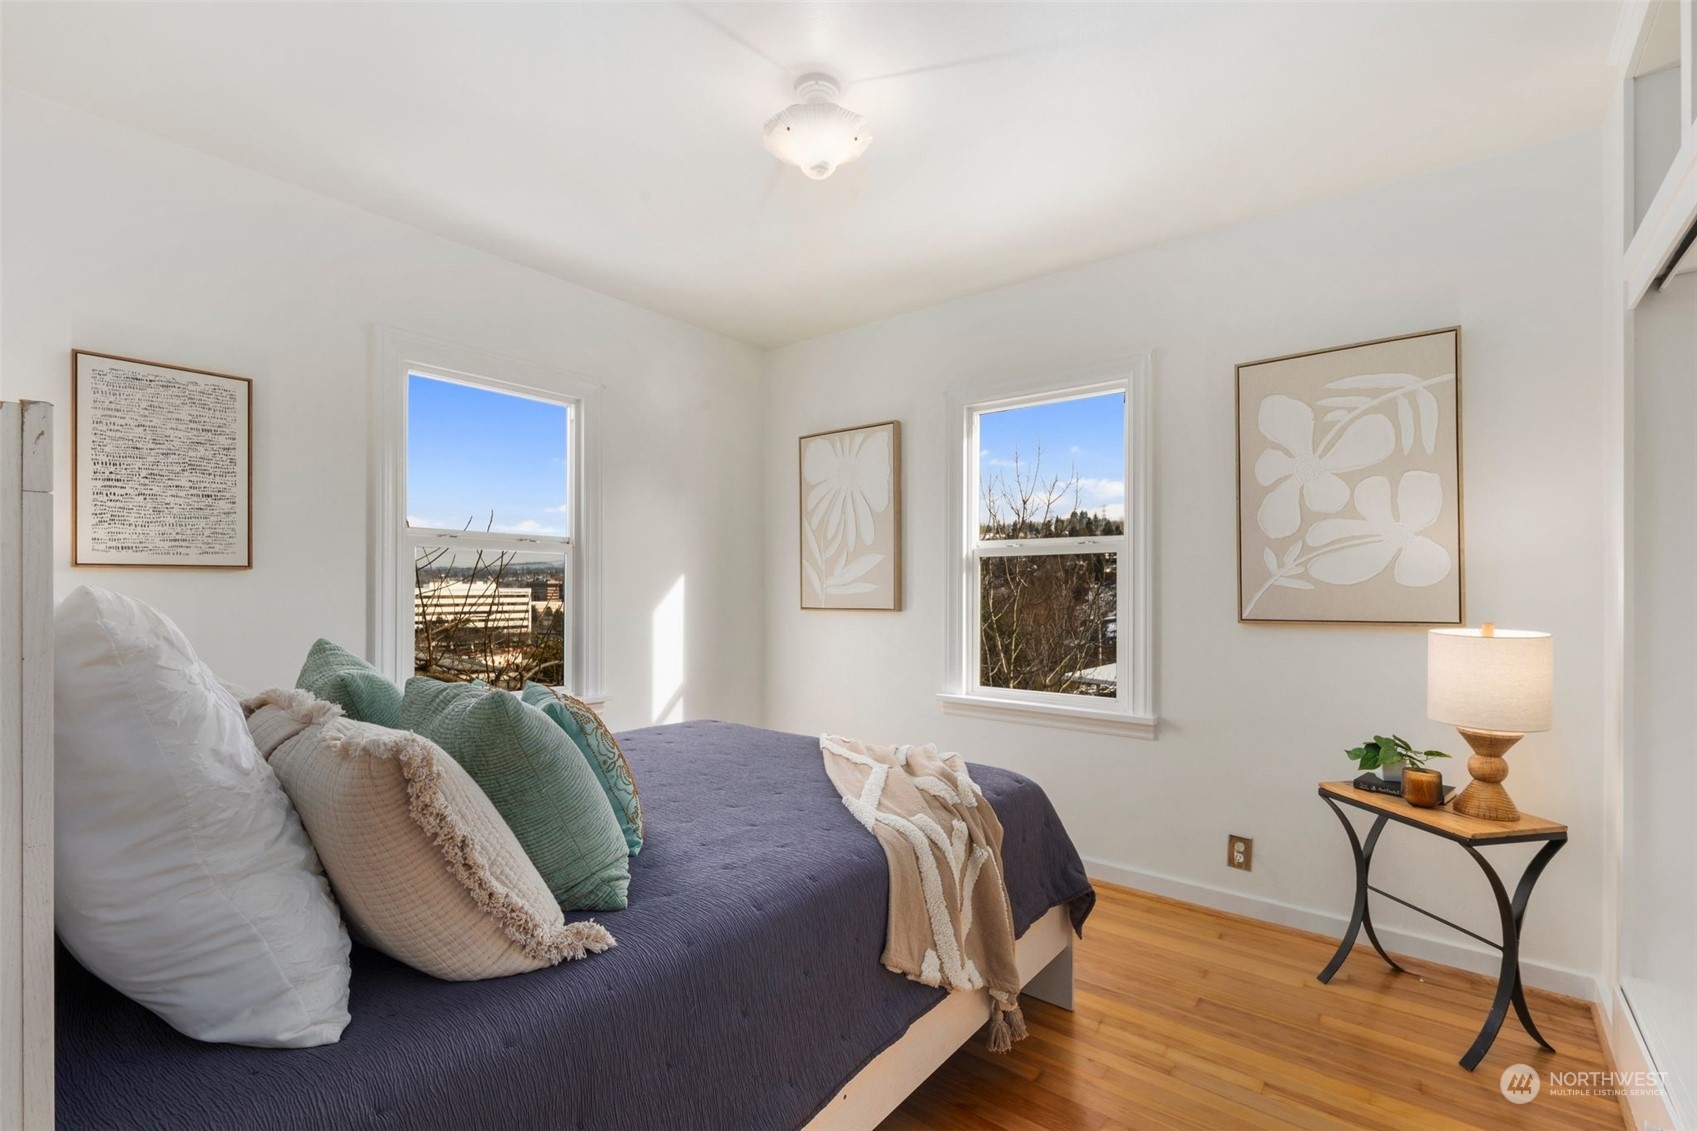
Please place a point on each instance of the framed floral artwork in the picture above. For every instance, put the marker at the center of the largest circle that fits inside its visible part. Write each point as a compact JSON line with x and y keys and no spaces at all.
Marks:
{"x":1349,"y":484}
{"x":851,"y":518}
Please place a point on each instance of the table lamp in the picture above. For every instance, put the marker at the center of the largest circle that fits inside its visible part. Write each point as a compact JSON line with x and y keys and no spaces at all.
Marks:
{"x":1493,"y":686}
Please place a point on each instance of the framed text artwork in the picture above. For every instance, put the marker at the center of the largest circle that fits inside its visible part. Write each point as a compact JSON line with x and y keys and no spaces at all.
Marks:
{"x":1349,"y":484}
{"x":851,"y":518}
{"x":160,"y":465}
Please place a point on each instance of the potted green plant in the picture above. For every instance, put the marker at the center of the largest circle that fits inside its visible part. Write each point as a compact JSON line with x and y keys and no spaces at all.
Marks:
{"x":1397,"y":760}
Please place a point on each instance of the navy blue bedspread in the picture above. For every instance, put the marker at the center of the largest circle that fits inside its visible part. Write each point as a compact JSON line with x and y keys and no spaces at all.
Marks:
{"x":746,"y":986}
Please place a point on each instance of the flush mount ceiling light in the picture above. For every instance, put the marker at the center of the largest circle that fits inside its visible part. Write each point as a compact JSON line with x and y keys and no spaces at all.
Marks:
{"x":816,"y":135}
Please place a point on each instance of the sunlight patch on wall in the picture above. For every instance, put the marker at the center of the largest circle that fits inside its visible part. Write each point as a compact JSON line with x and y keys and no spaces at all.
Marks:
{"x":668,"y":656}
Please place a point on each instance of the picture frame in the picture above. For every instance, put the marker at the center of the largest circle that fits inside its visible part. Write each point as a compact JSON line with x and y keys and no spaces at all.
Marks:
{"x":161,"y":465}
{"x":850,"y":513}
{"x":1349,"y":488}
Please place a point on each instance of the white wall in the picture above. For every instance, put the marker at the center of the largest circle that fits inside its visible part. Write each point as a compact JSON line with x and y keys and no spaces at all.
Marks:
{"x":1253,"y":716}
{"x":118,"y":242}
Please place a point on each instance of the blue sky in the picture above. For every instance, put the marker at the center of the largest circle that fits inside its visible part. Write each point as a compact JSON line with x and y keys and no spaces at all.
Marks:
{"x":470,"y":451}
{"x":1087,"y":434}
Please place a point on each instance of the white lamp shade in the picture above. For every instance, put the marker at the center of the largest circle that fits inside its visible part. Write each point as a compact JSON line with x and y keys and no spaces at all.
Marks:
{"x":1498,"y":682}
{"x":816,"y":137}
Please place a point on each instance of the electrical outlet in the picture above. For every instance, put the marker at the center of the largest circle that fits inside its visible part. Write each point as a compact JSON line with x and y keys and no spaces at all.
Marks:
{"x":1240,"y":852}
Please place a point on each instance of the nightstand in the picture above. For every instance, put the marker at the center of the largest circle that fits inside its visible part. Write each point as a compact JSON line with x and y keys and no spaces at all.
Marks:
{"x":1472,"y":834}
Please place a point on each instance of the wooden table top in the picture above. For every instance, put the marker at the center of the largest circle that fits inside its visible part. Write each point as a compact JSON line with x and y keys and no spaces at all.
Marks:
{"x":1445,"y":821}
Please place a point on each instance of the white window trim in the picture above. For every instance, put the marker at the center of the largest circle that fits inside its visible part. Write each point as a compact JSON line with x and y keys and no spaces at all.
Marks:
{"x":1132,"y":711}
{"x":395,"y":355}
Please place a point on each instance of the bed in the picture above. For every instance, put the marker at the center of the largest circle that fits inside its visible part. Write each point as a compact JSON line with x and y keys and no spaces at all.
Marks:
{"x":745,"y":991}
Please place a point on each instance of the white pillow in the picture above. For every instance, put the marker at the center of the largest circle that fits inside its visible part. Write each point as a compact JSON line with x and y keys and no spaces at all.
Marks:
{"x":182,"y":875}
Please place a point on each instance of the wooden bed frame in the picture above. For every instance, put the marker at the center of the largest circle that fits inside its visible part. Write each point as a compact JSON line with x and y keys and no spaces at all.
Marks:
{"x":26,"y":836}
{"x":1045,"y":967}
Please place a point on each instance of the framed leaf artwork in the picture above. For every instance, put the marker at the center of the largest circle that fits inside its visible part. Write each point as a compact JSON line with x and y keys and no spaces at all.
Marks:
{"x":1349,"y":484}
{"x":851,"y":518}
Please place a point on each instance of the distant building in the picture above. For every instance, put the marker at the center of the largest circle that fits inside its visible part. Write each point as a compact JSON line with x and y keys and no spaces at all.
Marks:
{"x":480,"y":604}
{"x":547,"y":593}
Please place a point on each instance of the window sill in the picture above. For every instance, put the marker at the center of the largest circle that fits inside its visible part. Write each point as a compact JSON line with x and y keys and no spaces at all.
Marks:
{"x":1091,"y":719}
{"x":596,"y":702}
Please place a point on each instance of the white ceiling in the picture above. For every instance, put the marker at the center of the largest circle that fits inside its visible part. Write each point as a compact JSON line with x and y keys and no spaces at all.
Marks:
{"x":618,"y":145}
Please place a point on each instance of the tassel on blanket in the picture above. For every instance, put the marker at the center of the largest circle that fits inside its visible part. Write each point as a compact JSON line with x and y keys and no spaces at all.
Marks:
{"x":1007,"y":1021}
{"x":1016,"y":1023}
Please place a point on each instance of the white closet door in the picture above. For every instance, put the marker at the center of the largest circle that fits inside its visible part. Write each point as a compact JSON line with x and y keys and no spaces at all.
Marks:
{"x":1659,"y":908}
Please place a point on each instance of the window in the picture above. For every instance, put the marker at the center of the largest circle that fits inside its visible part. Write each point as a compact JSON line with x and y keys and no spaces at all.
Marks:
{"x":1049,"y":578}
{"x":488,"y":527}
{"x":489,"y":520}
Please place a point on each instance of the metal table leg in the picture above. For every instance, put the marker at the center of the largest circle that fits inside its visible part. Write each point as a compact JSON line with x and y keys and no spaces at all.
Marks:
{"x":1509,"y":989}
{"x":1362,"y":915}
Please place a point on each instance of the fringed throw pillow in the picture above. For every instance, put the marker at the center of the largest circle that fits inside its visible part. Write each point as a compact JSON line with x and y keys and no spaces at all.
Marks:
{"x":423,"y":866}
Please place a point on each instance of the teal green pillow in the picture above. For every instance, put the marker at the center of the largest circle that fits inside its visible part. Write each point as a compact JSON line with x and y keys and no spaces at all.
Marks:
{"x":538,"y":782}
{"x":335,"y":674}
{"x":601,"y":750}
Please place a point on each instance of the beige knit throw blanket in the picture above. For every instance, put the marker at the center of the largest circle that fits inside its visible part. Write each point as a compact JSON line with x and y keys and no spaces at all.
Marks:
{"x":949,"y":920}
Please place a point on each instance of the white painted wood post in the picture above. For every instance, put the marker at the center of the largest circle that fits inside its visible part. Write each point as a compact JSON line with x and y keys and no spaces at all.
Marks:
{"x":1053,"y":983}
{"x":26,"y":766}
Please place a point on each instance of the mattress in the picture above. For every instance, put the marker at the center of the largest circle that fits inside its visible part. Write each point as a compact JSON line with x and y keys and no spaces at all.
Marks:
{"x":745,"y":988}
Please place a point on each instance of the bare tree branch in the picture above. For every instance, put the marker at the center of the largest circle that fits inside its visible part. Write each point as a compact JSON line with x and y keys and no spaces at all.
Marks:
{"x":466,"y":620}
{"x":1045,"y":620}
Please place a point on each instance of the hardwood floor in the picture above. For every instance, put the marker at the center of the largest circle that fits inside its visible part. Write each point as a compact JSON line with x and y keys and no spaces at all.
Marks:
{"x":1192,"y":1019}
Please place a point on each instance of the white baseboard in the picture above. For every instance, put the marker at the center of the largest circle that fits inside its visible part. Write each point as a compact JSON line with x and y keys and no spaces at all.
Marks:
{"x":1465,"y":956}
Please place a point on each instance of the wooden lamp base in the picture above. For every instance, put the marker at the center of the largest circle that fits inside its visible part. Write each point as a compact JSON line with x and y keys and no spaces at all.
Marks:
{"x":1485,"y":797}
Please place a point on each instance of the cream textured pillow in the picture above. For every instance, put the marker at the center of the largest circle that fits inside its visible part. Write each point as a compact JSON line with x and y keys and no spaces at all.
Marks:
{"x":424,"y":867}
